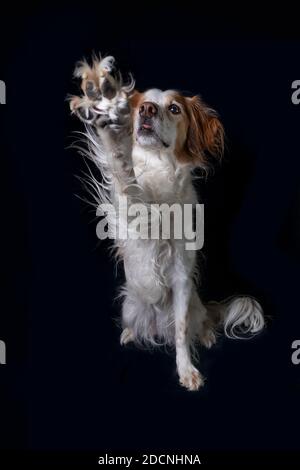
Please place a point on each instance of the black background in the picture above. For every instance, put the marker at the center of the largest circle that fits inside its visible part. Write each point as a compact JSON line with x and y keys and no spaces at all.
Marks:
{"x":68,"y":385}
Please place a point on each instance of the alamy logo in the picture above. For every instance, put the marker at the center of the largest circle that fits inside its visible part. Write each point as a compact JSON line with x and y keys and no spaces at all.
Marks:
{"x":2,"y":352}
{"x":296,"y":354}
{"x":296,"y":94}
{"x":135,"y":221}
{"x":2,"y":92}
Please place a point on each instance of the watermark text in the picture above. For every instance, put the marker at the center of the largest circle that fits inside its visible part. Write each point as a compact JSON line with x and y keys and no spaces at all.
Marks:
{"x":141,"y":221}
{"x":296,"y":354}
{"x":2,"y":352}
{"x":2,"y":92}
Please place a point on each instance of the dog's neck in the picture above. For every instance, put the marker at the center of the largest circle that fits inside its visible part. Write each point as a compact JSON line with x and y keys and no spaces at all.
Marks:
{"x":160,"y":173}
{"x":154,"y":161}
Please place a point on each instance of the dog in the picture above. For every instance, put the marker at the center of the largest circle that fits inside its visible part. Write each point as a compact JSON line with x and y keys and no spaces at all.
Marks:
{"x":146,"y":145}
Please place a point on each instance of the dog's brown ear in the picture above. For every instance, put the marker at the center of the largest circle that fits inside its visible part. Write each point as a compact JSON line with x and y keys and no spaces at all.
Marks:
{"x":135,"y":98}
{"x":205,"y":136}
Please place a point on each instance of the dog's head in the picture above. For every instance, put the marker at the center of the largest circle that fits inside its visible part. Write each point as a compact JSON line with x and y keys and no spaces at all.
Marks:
{"x":165,"y":120}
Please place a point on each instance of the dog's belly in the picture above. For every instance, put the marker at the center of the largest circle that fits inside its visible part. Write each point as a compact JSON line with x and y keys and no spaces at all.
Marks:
{"x":148,"y":265}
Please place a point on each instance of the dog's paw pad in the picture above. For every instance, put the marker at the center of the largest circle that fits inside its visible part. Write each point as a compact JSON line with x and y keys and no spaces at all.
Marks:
{"x":92,"y":91}
{"x":109,"y":87}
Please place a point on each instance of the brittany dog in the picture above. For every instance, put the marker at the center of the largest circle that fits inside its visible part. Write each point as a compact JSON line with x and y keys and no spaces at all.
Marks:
{"x":146,"y":146}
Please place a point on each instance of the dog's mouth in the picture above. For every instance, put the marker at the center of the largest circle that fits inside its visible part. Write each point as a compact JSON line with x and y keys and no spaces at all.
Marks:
{"x":146,"y":126}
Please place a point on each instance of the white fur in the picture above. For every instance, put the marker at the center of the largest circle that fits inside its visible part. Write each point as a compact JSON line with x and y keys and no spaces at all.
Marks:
{"x":243,"y":318}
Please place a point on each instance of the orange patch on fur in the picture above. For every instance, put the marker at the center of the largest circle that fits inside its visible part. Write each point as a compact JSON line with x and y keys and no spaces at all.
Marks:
{"x":135,"y":99}
{"x":182,"y":129}
{"x":90,"y":75}
{"x":199,"y":132}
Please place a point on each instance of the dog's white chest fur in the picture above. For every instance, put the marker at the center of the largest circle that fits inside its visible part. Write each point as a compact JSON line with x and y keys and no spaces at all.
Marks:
{"x":161,"y":180}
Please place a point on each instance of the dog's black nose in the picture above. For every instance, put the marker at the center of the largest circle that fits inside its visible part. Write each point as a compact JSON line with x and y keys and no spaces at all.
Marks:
{"x":148,"y":109}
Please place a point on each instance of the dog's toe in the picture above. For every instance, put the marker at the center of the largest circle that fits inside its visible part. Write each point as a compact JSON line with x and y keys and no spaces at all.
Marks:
{"x":208,"y":339}
{"x":126,"y":336}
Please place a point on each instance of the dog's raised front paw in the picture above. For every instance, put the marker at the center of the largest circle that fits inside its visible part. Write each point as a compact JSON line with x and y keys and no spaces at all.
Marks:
{"x":104,"y":103}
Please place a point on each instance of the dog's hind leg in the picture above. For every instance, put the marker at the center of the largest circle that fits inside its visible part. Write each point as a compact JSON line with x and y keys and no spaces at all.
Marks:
{"x":202,"y":324}
{"x":138,"y":320}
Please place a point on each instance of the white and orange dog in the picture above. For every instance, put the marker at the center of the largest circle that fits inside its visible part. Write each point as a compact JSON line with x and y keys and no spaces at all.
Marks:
{"x":146,"y":145}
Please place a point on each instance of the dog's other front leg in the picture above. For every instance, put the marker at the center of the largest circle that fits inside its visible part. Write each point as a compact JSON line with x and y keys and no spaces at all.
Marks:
{"x":189,"y":376}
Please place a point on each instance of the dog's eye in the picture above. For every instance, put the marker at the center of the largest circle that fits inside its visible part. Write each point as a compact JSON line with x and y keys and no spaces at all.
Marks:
{"x":174,"y":109}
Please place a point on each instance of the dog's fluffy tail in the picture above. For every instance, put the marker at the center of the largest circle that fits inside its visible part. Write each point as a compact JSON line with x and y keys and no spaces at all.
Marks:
{"x":241,"y":317}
